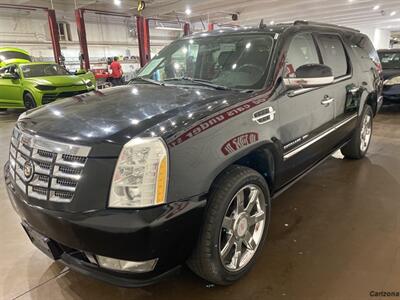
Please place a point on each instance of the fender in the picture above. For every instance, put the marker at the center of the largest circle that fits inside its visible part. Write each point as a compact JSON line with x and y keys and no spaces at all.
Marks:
{"x":264,"y":157}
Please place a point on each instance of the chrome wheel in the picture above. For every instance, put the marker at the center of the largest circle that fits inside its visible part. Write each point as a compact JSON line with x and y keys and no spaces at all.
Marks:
{"x":366,"y":132}
{"x":242,"y":227}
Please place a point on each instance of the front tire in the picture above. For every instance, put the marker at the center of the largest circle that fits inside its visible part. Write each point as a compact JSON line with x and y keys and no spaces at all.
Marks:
{"x":29,"y":101}
{"x":358,"y":146}
{"x":235,"y":226}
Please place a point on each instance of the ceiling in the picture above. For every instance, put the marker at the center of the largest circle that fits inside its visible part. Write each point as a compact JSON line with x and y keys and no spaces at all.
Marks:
{"x":353,"y":13}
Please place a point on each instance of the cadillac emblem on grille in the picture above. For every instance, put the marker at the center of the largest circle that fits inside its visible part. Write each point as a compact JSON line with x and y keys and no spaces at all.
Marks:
{"x":28,"y":170}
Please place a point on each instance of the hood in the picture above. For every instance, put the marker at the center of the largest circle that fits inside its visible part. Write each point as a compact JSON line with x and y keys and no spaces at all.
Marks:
{"x":58,"y":81}
{"x":389,"y":73}
{"x":113,"y":116}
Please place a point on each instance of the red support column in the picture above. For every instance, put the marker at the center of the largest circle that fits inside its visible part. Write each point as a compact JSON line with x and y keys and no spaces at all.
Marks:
{"x":186,"y":29}
{"x":80,"y":23}
{"x":142,"y":25}
{"x":210,"y":26}
{"x":55,"y":37}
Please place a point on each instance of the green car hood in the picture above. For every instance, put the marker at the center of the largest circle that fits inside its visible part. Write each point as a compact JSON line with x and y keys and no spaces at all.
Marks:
{"x":58,"y":81}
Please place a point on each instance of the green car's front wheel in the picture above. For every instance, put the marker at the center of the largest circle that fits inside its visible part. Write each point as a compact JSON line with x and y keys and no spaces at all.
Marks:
{"x":29,"y":101}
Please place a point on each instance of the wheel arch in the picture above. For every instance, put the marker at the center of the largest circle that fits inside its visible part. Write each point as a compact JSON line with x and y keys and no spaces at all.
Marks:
{"x":263,"y":158}
{"x":370,"y":98}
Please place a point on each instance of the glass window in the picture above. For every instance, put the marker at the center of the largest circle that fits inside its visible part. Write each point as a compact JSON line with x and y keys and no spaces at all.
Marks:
{"x":235,"y":61}
{"x":390,"y":60}
{"x":302,"y":51}
{"x":333,"y":54}
{"x":40,"y":70}
{"x":5,"y":55}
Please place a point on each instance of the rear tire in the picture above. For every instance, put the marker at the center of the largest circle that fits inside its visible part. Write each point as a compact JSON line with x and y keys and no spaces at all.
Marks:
{"x":235,"y":226}
{"x":29,"y":101}
{"x":358,"y":146}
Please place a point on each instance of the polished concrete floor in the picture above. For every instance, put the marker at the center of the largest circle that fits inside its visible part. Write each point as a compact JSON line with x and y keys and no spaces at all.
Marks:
{"x":334,"y":235}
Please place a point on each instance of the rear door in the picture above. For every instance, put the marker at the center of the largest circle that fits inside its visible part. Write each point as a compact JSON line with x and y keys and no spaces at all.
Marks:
{"x":345,"y":90}
{"x":10,"y":89}
{"x":305,"y":114}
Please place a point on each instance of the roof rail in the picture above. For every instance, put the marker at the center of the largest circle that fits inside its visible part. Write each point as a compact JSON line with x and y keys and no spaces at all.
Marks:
{"x":303,"y":22}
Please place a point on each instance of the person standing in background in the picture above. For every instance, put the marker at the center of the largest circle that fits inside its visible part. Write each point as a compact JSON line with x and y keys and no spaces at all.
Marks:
{"x":116,"y":72}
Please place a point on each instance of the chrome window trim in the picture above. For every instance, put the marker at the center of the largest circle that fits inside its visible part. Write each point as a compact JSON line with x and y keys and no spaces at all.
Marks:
{"x":318,"y":137}
{"x":305,"y":90}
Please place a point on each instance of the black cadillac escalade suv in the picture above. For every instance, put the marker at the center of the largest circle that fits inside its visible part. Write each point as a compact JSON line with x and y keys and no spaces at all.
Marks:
{"x":180,"y":166}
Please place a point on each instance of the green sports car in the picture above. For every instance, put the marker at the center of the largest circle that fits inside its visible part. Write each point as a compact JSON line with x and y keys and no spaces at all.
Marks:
{"x":33,"y":84}
{"x":10,"y":55}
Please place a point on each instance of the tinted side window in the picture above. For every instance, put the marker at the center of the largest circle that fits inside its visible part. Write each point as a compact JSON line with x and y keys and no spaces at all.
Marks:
{"x":302,"y":51}
{"x":363,"y":47}
{"x":333,"y":54}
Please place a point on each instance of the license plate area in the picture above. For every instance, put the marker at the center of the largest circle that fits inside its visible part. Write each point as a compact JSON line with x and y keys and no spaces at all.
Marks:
{"x":44,"y":244}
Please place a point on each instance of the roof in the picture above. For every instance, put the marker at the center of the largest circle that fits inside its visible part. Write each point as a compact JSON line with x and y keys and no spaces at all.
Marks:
{"x":277,"y":28}
{"x":389,"y":50}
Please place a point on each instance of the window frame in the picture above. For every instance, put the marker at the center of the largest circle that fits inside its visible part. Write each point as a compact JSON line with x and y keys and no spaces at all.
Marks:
{"x":311,"y":33}
{"x":349,"y":71}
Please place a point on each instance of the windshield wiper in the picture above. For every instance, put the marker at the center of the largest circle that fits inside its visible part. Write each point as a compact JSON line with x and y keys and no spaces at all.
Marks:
{"x":202,"y":82}
{"x":147,"y":80}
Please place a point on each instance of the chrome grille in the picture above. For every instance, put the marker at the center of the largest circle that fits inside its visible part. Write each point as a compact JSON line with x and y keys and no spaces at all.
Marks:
{"x":57,"y":167}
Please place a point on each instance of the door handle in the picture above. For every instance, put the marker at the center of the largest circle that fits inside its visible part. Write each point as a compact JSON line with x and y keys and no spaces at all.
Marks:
{"x":354,"y":90}
{"x":327,"y":100}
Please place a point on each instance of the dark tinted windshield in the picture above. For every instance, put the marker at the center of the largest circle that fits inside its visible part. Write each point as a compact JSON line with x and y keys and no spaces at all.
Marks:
{"x":5,"y":55}
{"x":390,"y":60}
{"x":235,"y":61}
{"x":40,"y":70}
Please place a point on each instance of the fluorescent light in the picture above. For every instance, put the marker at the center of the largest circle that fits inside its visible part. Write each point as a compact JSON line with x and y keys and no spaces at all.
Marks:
{"x":393,"y":13}
{"x":117,"y":2}
{"x":376,"y":7}
{"x":168,"y":28}
{"x":188,"y":11}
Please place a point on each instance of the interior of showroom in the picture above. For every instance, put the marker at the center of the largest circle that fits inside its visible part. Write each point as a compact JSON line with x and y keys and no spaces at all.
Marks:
{"x":215,"y":149}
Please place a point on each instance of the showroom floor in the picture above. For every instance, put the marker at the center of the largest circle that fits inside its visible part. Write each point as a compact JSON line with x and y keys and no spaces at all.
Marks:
{"x":334,"y":235}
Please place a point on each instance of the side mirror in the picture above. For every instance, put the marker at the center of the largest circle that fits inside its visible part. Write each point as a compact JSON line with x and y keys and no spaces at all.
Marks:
{"x":9,"y":76}
{"x":310,"y":75}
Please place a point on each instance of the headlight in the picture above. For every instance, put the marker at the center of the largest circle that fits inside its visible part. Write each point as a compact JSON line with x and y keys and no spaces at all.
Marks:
{"x":141,"y":174}
{"x":392,"y":81}
{"x":89,"y":83}
{"x":45,"y":87}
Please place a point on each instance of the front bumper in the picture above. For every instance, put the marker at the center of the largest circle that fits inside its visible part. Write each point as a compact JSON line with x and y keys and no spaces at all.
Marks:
{"x":47,"y":97}
{"x":391,"y":93}
{"x":166,"y":232}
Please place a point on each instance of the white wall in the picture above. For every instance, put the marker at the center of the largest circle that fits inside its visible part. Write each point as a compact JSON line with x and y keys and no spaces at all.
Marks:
{"x":106,"y":36}
{"x":379,"y":37}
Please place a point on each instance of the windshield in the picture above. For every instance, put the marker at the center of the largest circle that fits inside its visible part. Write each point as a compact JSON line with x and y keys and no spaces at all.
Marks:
{"x":235,"y":61}
{"x":5,"y":55}
{"x":390,"y":60}
{"x":40,"y":70}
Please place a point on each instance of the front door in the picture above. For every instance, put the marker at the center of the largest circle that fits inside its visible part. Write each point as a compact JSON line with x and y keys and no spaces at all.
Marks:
{"x":305,"y":114}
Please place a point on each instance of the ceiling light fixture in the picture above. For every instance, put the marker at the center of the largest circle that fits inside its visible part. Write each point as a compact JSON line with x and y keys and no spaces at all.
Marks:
{"x":393,"y":13}
{"x":117,"y":2}
{"x":188,"y":11}
{"x":272,"y":23}
{"x":376,"y":7}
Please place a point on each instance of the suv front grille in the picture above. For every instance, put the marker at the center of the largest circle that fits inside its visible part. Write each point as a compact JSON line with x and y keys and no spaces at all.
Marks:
{"x":45,"y":169}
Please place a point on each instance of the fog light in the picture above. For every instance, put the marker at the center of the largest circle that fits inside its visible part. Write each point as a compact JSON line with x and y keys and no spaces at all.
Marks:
{"x":126,"y":265}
